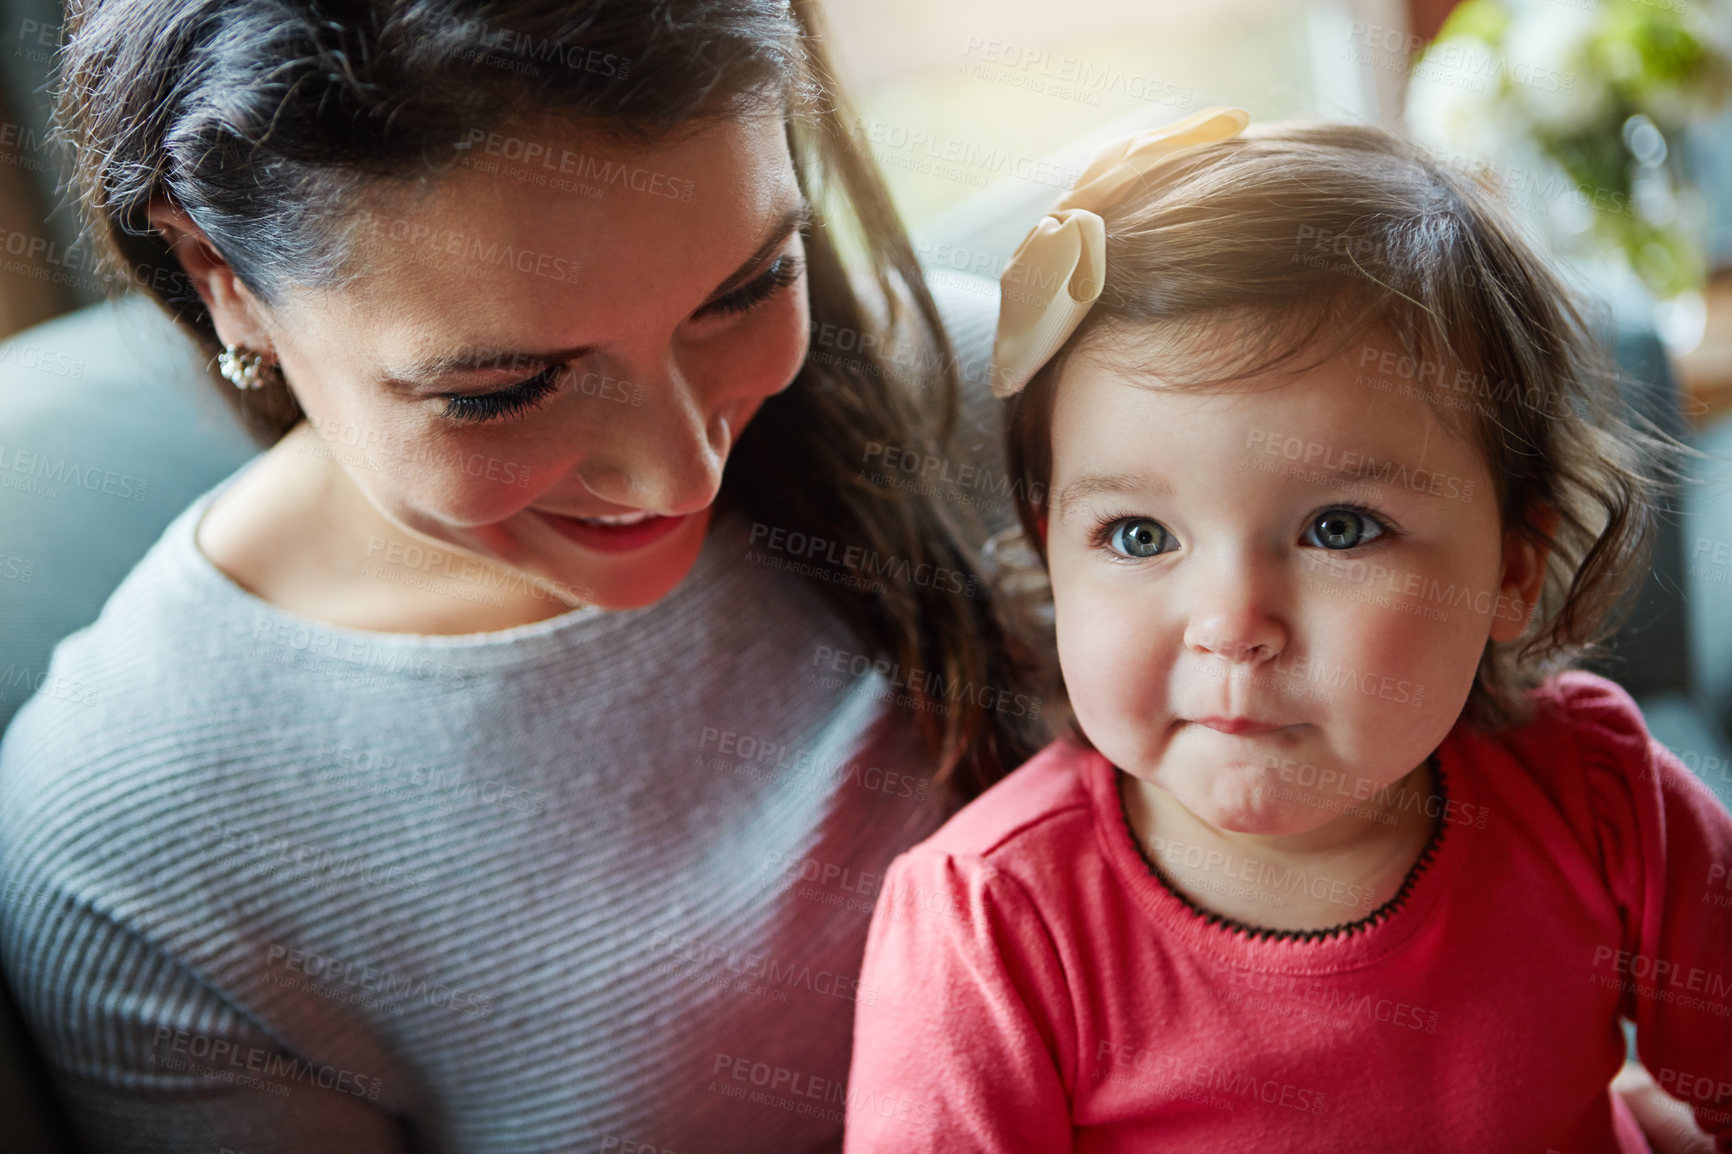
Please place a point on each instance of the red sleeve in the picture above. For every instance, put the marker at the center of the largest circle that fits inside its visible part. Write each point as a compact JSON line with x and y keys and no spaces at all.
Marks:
{"x":963,"y":1032}
{"x":1666,"y":847}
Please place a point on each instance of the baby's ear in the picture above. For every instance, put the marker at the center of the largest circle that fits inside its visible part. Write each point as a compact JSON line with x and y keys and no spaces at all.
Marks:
{"x":1524,"y":575}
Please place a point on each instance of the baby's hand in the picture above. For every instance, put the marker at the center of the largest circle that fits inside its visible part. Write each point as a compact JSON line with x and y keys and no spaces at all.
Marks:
{"x":1667,"y":1123}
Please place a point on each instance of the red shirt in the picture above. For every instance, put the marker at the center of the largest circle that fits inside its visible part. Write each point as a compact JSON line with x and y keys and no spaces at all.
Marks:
{"x":1038,"y":988}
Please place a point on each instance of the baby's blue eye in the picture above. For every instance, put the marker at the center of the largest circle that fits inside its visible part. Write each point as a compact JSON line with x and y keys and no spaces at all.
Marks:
{"x":1344,"y":529}
{"x":1137,"y":537}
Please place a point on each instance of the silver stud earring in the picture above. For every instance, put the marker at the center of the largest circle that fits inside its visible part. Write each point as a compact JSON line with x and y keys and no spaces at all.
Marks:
{"x":244,"y":368}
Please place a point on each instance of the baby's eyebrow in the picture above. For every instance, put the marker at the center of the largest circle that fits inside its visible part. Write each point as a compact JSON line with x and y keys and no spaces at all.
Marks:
{"x":1089,"y":484}
{"x":1364,"y":470}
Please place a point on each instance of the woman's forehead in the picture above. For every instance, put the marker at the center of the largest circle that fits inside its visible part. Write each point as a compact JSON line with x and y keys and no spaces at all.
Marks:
{"x":577,"y":179}
{"x":576,"y":224}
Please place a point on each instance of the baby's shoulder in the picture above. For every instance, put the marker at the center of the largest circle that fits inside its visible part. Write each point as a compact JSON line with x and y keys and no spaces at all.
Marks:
{"x":1594,"y":705}
{"x":1584,"y":722}
{"x":1020,"y":865}
{"x":1039,"y":810}
{"x":1584,"y":752}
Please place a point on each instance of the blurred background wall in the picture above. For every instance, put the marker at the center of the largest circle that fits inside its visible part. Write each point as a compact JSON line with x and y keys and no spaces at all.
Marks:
{"x":984,"y":109}
{"x":35,"y":241}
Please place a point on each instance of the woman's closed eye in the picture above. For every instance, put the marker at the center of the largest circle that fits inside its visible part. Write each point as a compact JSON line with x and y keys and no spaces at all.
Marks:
{"x":518,"y":398}
{"x":782,"y":273}
{"x":1338,"y":528}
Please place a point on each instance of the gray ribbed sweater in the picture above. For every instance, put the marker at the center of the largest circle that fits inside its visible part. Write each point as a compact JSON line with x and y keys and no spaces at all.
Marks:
{"x":596,"y":883}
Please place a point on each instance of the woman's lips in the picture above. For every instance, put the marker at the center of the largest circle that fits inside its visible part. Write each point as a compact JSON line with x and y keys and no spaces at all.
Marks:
{"x":621,"y":533}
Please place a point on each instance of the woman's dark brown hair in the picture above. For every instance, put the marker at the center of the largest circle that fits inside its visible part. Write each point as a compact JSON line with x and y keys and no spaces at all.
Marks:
{"x":269,"y":122}
{"x":1294,"y":243}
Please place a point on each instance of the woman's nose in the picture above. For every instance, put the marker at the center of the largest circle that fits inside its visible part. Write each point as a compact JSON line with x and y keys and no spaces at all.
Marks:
{"x":666,"y":454}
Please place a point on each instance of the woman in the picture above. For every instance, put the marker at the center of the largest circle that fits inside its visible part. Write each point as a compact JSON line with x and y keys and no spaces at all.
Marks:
{"x":482,"y":767}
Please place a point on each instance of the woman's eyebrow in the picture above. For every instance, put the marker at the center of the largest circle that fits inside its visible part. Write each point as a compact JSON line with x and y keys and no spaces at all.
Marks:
{"x":433,"y":369}
{"x":475,"y":360}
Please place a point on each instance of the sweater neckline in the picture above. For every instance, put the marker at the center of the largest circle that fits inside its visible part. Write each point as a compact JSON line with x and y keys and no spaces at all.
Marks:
{"x":1346,"y":945}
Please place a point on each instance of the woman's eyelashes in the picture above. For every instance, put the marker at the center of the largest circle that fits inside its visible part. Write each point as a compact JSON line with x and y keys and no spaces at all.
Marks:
{"x":1338,"y":528}
{"x":781,"y":274}
{"x":519,"y":398}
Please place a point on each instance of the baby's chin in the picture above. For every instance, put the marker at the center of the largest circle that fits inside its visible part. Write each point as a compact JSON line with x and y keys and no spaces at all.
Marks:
{"x":1244,"y":806}
{"x":1277,"y":820}
{"x":1254,"y":816}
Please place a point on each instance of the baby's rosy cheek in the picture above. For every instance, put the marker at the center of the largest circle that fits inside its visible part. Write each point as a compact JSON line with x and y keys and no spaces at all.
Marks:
{"x":1406,"y":667}
{"x":1389,"y":649}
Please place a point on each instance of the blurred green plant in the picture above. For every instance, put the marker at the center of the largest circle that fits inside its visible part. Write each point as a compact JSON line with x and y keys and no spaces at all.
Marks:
{"x":1603,"y":89}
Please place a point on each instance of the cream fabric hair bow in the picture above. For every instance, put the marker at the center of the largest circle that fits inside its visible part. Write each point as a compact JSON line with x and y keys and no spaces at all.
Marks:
{"x":1067,"y":248}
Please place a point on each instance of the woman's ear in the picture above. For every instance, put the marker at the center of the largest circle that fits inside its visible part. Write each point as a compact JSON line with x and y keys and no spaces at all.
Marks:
{"x":234,"y":310}
{"x":1524,"y":575}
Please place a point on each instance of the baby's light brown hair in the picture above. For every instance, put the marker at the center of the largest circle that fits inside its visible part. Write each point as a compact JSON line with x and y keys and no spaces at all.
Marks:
{"x":1281,"y":248}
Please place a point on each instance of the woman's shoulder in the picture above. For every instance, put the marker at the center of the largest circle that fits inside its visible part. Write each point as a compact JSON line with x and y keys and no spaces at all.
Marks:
{"x":116,"y":749}
{"x":140,"y":637}
{"x":178,"y":666}
{"x":122,"y":703}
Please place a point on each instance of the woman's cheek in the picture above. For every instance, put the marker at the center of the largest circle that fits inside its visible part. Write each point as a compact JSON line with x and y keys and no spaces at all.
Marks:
{"x":466,"y":488}
{"x":787,"y":351}
{"x":763,"y":357}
